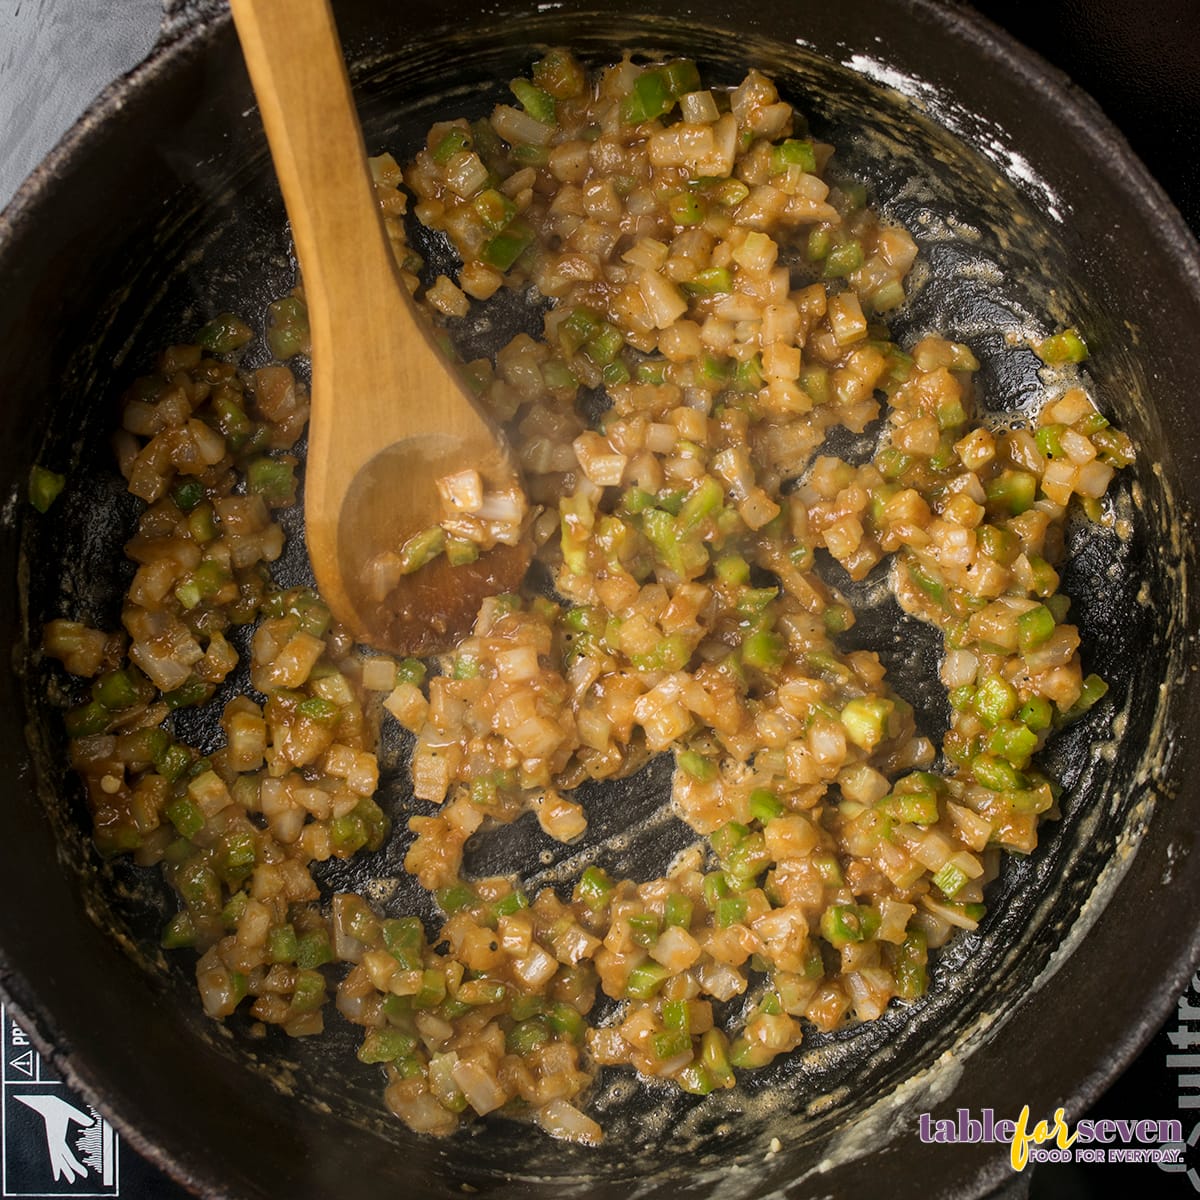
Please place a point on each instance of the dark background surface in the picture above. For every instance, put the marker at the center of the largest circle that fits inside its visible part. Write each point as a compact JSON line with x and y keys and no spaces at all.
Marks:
{"x":1138,"y":60}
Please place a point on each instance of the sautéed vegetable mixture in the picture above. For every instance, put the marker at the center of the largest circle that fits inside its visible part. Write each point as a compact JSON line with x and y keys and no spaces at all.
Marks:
{"x":710,"y":276}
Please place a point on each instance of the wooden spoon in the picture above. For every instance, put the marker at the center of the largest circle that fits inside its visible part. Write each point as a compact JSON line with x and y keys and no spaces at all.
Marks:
{"x":389,"y":417}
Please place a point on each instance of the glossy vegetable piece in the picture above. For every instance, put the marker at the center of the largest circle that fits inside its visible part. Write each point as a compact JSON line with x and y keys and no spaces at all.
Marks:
{"x":389,"y":418}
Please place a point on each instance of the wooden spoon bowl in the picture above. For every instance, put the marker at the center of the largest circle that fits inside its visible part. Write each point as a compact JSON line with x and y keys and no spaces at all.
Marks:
{"x":389,"y":416}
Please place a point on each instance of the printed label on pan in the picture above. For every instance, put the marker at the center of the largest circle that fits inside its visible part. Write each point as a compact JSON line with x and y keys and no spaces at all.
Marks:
{"x":53,"y":1143}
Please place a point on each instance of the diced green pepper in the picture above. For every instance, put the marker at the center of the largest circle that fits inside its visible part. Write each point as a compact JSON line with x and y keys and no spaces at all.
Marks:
{"x":931,"y":586}
{"x":559,"y":75}
{"x":1067,"y":346}
{"x":1113,"y":446}
{"x":650,"y":97}
{"x":837,"y":618}
{"x":996,"y":774}
{"x":645,"y":979}
{"x":410,"y":670}
{"x":1049,"y":440}
{"x":681,"y":76}
{"x":842,"y":924}
{"x":1014,"y":491}
{"x":466,"y":666}
{"x":819,"y":242}
{"x":527,"y":1036}
{"x":180,"y":932}
{"x":712,"y":281}
{"x":172,"y":764}
{"x":696,"y":1079}
{"x":995,"y":699}
{"x":186,"y":815}
{"x":187,"y":494}
{"x":715,"y":887}
{"x":1034,"y":628}
{"x":686,"y":209}
{"x":313,"y":949}
{"x":698,"y":766}
{"x":605,"y":344}
{"x":44,"y":487}
{"x":432,"y":991}
{"x":319,"y":710}
{"x":235,"y":909}
{"x":949,"y":880}
{"x":240,"y":856}
{"x":852,"y":196}
{"x":678,"y":911}
{"x":651,"y":370}
{"x":794,"y":152}
{"x":595,"y":888}
{"x":224,"y":334}
{"x":747,"y":375}
{"x":309,"y":993}
{"x":202,"y":523}
{"x":866,"y":721}
{"x":1037,"y":713}
{"x":494,"y":208}
{"x":714,"y":1055}
{"x":456,"y":898}
{"x":116,"y":690}
{"x":504,"y":248}
{"x":537,"y":103}
{"x":765,"y":805}
{"x":272,"y":479}
{"x":194,"y":691}
{"x":764,"y":650}
{"x":911,"y":957}
{"x":915,"y":808}
{"x":454,"y":141}
{"x":615,"y":374}
{"x":87,"y":719}
{"x":386,"y":1045}
{"x":892,"y":463}
{"x":282,"y":944}
{"x":701,"y":503}
{"x":423,"y":547}
{"x":580,"y":325}
{"x":513,"y":902}
{"x":1094,"y":690}
{"x":1014,"y":742}
{"x":670,"y":1044}
{"x":287,"y":328}
{"x":197,"y":883}
{"x":844,"y":257}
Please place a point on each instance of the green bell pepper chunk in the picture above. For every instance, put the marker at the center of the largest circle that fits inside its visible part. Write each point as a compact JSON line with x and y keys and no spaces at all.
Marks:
{"x":44,"y":487}
{"x":1066,"y":346}
{"x":537,"y":103}
{"x":645,"y":979}
{"x":794,"y":152}
{"x":595,"y":888}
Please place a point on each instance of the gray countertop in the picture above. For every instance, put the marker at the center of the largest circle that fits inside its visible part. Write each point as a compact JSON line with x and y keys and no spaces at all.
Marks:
{"x":55,"y":57}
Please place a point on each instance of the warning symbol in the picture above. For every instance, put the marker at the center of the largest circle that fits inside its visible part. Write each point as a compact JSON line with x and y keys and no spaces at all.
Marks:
{"x":24,"y":1063}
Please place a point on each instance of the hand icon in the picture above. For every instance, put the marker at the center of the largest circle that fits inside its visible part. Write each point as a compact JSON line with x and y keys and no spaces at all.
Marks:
{"x":58,"y":1115}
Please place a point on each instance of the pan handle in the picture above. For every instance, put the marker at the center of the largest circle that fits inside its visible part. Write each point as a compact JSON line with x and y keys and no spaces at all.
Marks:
{"x":181,"y":17}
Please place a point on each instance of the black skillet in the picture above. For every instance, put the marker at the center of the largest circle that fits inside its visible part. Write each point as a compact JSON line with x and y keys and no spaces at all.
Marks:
{"x":159,"y":209}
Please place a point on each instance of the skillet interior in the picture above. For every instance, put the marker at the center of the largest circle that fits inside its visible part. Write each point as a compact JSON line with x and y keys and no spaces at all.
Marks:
{"x":203,"y":231}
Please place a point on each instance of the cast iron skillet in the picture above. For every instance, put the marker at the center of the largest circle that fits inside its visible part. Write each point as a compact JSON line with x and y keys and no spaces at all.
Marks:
{"x":159,"y":209}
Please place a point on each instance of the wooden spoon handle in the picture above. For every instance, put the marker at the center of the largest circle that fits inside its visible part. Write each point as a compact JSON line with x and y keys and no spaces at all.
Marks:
{"x":295,"y":61}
